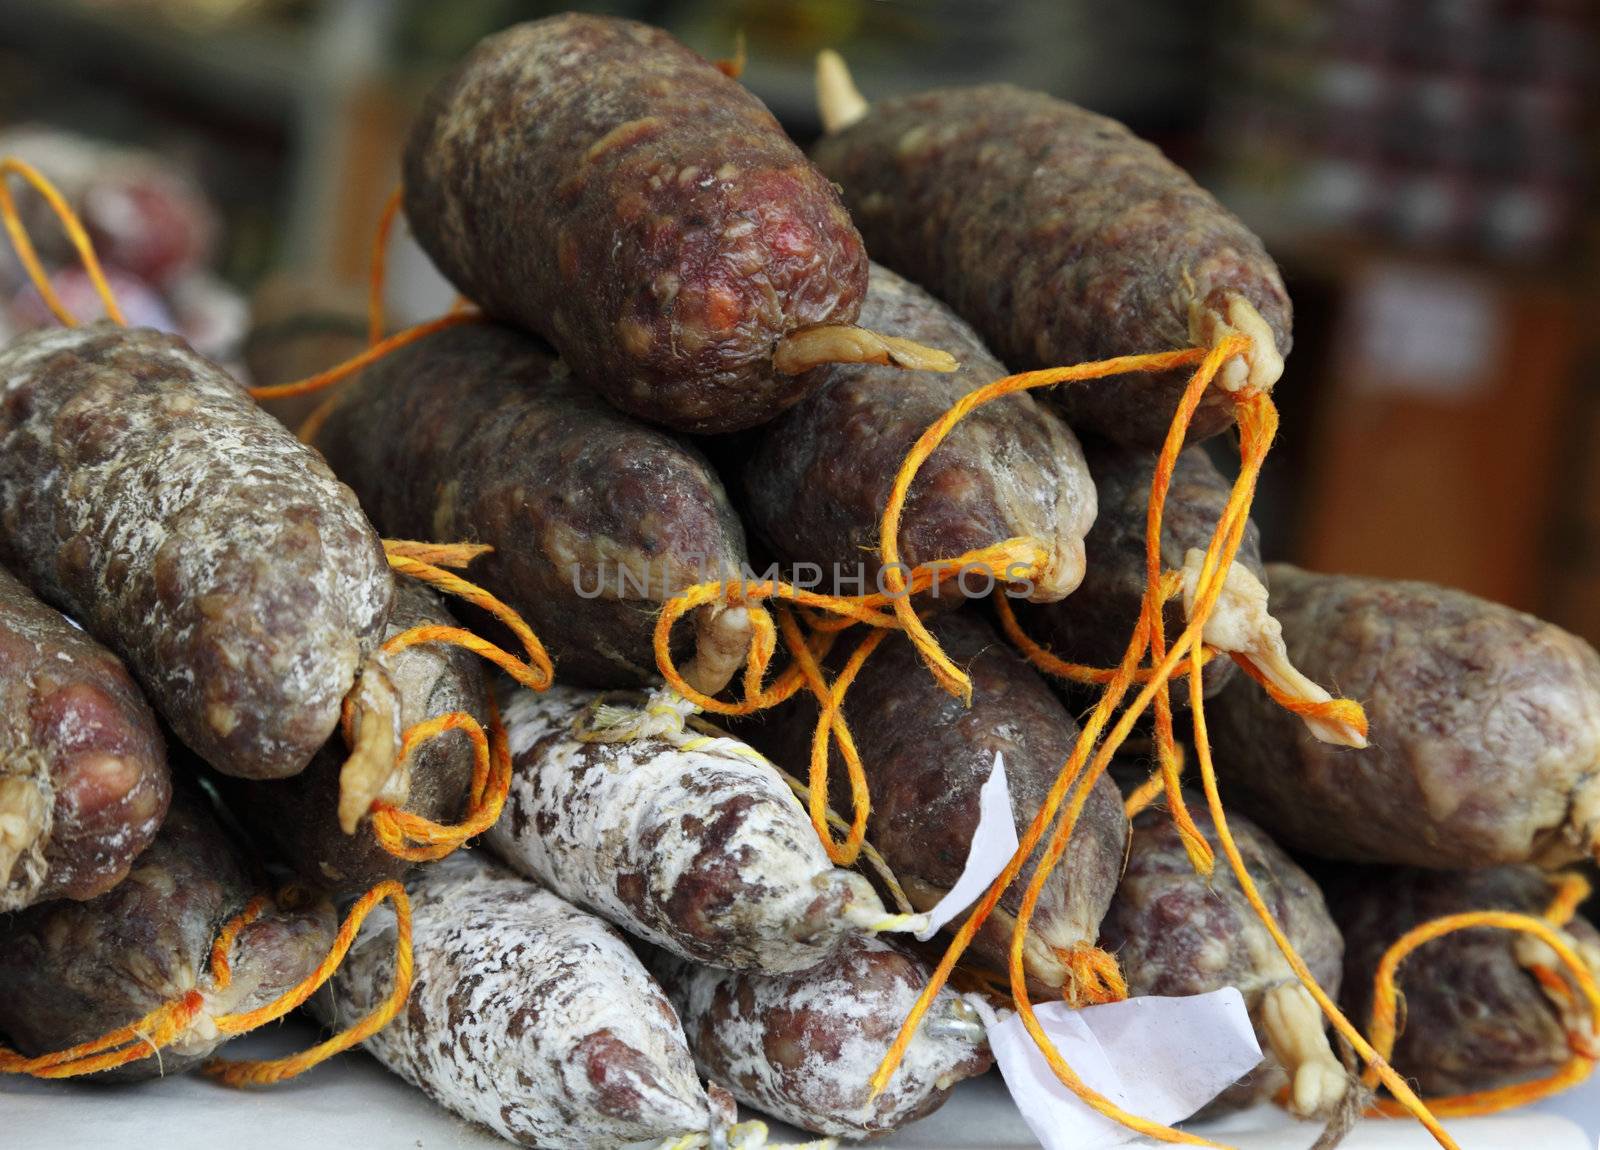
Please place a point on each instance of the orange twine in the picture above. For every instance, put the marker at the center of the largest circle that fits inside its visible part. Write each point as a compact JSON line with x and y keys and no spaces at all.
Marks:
{"x":166,"y":1023}
{"x":1571,"y":889}
{"x":75,"y":233}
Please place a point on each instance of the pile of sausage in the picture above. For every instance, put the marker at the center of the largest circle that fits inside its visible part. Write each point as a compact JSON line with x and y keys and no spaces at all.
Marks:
{"x":653,"y":933}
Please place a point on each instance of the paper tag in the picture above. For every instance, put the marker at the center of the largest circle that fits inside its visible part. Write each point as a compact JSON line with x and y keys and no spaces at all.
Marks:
{"x":1160,"y":1058}
{"x":993,"y":844}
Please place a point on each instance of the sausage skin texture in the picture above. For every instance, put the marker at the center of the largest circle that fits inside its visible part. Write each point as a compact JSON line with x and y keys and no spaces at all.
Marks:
{"x":1093,"y":625}
{"x":1475,"y":1018}
{"x":802,"y":1046}
{"x":82,"y":760}
{"x":593,"y":180}
{"x":527,"y":1015}
{"x":1059,"y":235}
{"x":705,"y":852}
{"x":1178,"y":933}
{"x":479,"y":433}
{"x":143,"y":493}
{"x":72,"y":971}
{"x":297,"y":819}
{"x":816,"y":484}
{"x":927,"y":757}
{"x":1485,"y":730}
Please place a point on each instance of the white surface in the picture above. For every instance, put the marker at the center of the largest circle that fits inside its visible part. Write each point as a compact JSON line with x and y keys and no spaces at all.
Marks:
{"x":1160,"y":1058}
{"x":353,"y":1103}
{"x":994,"y":841}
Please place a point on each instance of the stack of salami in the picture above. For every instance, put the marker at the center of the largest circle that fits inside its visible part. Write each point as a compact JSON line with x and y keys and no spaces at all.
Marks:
{"x":687,"y":368}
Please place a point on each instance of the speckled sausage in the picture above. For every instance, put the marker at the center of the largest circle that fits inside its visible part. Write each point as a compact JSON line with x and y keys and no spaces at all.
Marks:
{"x":1485,"y":730}
{"x":84,"y":783}
{"x":72,"y":971}
{"x":927,"y":757}
{"x":1093,"y":625}
{"x":479,"y":433}
{"x":593,"y":180}
{"x":298,"y":819}
{"x":527,"y":1016}
{"x":802,"y":1046}
{"x":1475,"y":1018}
{"x":1176,"y":933}
{"x":143,"y":493}
{"x":816,"y":484}
{"x":1061,"y":237}
{"x":706,"y":852}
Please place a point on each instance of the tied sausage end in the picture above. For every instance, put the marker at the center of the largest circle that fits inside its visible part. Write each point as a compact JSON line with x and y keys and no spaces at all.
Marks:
{"x":839,"y":102}
{"x":1255,"y":370}
{"x":1243,"y":626}
{"x":374,"y":769}
{"x":1292,"y":1024}
{"x":722,"y":638}
{"x":812,"y":347}
{"x":26,"y":807}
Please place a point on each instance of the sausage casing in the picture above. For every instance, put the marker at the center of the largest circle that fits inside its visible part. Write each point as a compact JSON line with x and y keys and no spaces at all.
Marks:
{"x":706,"y":852}
{"x":1062,"y":237}
{"x":84,"y":783}
{"x":816,"y":484}
{"x":72,"y":971}
{"x":802,"y":1046}
{"x":143,"y":493}
{"x":479,"y":433}
{"x":593,"y":180}
{"x":1485,"y":730}
{"x":526,"y":1015}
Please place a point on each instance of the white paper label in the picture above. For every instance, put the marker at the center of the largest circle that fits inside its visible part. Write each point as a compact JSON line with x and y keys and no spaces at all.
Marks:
{"x":1159,"y":1058}
{"x":993,"y":844}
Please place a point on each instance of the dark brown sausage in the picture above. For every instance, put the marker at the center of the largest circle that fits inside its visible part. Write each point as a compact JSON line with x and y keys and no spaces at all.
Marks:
{"x":479,"y":433}
{"x":803,"y":1046}
{"x":816,"y":484}
{"x":1475,"y":1018}
{"x":72,"y":971}
{"x":1093,"y":625}
{"x":143,"y":493}
{"x":1176,"y":933}
{"x":83,"y":767}
{"x":593,"y":180}
{"x":1061,"y":237}
{"x":927,"y":757}
{"x":1485,"y":730}
{"x":298,"y":818}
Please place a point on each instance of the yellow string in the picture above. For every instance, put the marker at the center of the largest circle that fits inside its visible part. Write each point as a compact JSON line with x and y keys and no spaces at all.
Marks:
{"x":76,"y":233}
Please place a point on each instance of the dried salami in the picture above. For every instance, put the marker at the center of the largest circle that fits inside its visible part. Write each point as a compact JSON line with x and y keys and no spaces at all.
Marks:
{"x":593,"y":180}
{"x":527,"y":1015}
{"x":1485,"y":728}
{"x":84,"y":783}
{"x":143,"y":493}
{"x":705,"y":851}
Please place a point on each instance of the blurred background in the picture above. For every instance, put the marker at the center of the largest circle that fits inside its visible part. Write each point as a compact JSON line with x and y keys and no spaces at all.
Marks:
{"x":1423,"y":171}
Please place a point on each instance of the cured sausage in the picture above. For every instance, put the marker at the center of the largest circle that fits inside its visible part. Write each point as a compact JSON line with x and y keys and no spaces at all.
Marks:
{"x":143,"y":493}
{"x":1176,"y":932}
{"x":927,"y":758}
{"x":1485,"y":730}
{"x":802,"y":1047}
{"x":816,"y":484}
{"x":705,"y":851}
{"x":84,"y":783}
{"x":299,"y":819}
{"x":1475,"y":1016}
{"x":72,"y":971}
{"x":1061,"y":237}
{"x":479,"y":433}
{"x":526,"y":1015}
{"x":1093,"y":624}
{"x":593,"y":180}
